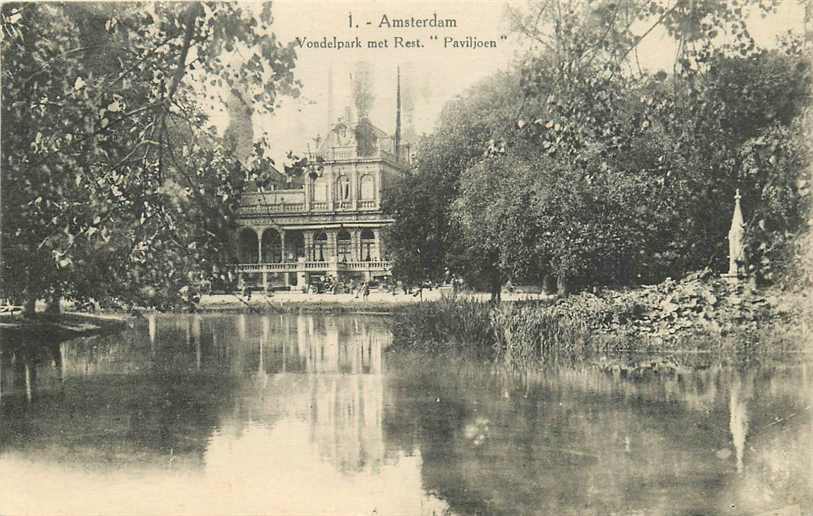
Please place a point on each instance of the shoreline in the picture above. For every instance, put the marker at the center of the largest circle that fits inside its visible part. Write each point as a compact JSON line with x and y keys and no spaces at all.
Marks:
{"x":698,"y":313}
{"x":59,"y":327}
{"x":378,"y":302}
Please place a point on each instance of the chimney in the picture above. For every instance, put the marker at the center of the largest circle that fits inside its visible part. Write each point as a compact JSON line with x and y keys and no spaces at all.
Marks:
{"x":348,"y":113}
{"x":330,"y":119}
{"x":398,"y":115}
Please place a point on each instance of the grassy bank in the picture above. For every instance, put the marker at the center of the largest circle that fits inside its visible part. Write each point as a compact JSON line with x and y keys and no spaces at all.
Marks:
{"x":697,"y":314}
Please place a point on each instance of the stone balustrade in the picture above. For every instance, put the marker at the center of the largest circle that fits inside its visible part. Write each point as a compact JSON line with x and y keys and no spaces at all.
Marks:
{"x":313,"y":266}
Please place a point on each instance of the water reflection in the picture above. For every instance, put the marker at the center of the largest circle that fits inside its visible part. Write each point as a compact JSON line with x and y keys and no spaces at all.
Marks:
{"x":280,"y":414}
{"x":245,"y":414}
{"x":579,"y":440}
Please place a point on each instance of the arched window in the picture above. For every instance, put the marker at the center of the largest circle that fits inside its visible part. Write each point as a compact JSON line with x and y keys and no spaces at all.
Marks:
{"x":272,"y":246}
{"x":319,"y":191}
{"x":343,"y":246}
{"x":367,"y":245}
{"x":367,"y":188}
{"x":343,"y":188}
{"x":319,"y":250}
{"x":294,"y":245}
{"x":247,"y":246}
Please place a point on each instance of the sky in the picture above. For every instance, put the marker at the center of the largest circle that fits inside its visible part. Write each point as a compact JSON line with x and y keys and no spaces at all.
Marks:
{"x":435,"y":73}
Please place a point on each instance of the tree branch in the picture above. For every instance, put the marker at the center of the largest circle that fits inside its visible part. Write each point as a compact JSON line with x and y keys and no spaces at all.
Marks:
{"x":191,"y":15}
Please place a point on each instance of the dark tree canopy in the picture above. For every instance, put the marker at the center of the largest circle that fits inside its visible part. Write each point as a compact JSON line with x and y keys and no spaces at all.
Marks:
{"x":114,"y":182}
{"x":581,"y":166}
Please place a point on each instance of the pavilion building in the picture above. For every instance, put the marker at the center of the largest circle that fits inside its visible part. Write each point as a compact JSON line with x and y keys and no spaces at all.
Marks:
{"x":328,"y":223}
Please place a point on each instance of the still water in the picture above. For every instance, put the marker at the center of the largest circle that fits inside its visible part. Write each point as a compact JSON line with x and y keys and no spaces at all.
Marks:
{"x":308,"y":414}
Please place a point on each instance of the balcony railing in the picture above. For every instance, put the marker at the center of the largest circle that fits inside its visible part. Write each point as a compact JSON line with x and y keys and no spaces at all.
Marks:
{"x":313,"y":266}
{"x":273,"y":208}
{"x":377,"y":265}
{"x":346,"y":153}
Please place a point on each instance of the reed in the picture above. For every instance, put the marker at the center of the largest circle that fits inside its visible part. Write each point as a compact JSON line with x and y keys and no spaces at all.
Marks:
{"x":445,"y":326}
{"x":520,"y":334}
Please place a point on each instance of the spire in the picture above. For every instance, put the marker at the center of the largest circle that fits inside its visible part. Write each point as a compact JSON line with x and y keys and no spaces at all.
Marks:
{"x":398,"y":115}
{"x":737,"y":220}
{"x":736,"y":240}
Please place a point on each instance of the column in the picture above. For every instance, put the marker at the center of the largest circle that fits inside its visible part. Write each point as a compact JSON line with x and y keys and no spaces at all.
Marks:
{"x":354,"y":187}
{"x":308,"y":238}
{"x":265,"y":282}
{"x":378,"y":248}
{"x":332,"y":248}
{"x":331,"y":186}
{"x":282,"y":248}
{"x":259,"y":244}
{"x":355,"y":242}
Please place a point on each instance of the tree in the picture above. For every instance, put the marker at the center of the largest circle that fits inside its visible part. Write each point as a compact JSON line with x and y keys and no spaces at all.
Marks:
{"x":114,"y":184}
{"x":426,"y":241}
{"x":585,"y":167}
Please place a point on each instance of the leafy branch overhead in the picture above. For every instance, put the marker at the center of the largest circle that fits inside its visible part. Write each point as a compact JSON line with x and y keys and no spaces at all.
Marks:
{"x":115,"y":180}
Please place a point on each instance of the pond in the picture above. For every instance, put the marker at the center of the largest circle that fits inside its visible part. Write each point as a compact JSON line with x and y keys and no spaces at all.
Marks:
{"x":308,"y":414}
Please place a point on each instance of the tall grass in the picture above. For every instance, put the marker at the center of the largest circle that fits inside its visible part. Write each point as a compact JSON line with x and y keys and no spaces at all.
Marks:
{"x":445,"y":326}
{"x":512,"y":333}
{"x":527,"y":333}
{"x":530,"y":333}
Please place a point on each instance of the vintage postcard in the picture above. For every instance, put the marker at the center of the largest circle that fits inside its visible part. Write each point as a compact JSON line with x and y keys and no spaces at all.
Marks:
{"x":406,"y":258}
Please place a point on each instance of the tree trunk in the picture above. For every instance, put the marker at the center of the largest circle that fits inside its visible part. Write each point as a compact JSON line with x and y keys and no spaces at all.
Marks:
{"x":547,"y":284}
{"x":561,"y":285}
{"x":54,"y":305}
{"x":496,"y":287}
{"x":29,"y":306}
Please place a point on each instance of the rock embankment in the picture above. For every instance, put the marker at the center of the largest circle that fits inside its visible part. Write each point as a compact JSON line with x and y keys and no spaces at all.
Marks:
{"x":699,"y":305}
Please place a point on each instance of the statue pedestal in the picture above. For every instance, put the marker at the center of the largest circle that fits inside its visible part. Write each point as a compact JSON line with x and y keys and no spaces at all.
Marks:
{"x":748,"y":281}
{"x":733,"y":279}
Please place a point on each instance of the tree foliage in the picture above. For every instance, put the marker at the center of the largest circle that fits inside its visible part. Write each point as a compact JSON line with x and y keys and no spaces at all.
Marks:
{"x":114,"y":182}
{"x":587,"y":168}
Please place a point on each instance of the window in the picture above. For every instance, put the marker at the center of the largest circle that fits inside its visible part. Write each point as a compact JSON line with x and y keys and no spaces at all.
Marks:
{"x":320,"y":192}
{"x":319,"y":247}
{"x":367,"y":188}
{"x":367,"y":243}
{"x":343,"y":246}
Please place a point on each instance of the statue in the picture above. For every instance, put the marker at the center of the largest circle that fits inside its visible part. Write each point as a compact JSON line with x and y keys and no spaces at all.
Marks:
{"x":736,"y":241}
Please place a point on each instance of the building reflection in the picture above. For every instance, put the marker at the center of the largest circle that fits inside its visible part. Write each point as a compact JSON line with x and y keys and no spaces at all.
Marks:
{"x":324,"y":371}
{"x":150,"y":387}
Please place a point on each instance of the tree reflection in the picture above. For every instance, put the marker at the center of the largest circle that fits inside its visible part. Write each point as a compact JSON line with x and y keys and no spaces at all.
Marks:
{"x":578,"y":438}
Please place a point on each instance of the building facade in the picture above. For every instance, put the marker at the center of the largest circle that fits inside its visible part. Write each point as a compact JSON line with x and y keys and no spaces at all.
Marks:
{"x":329,"y":223}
